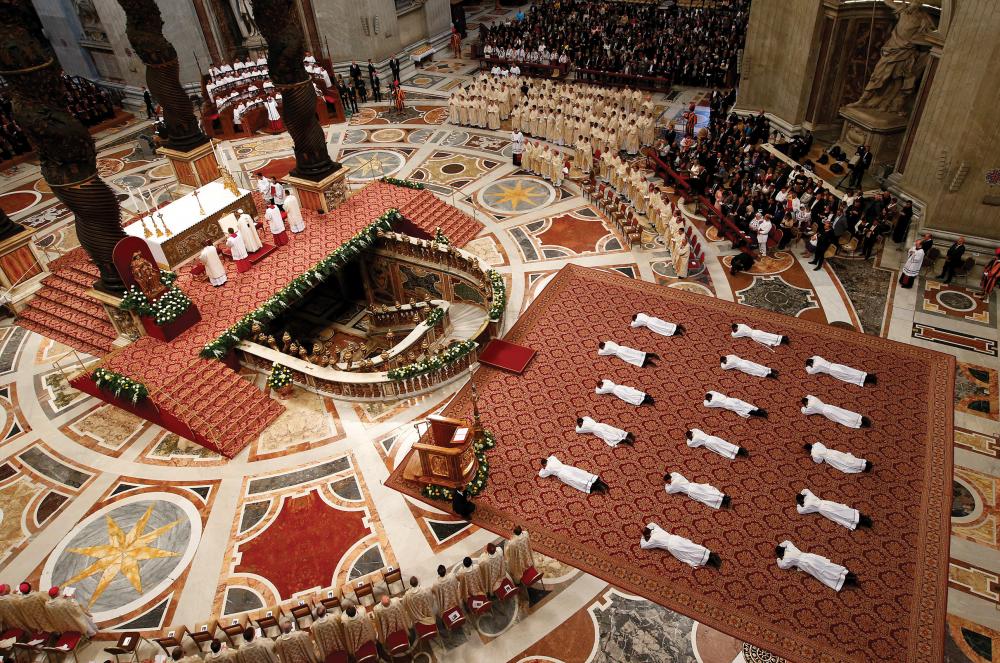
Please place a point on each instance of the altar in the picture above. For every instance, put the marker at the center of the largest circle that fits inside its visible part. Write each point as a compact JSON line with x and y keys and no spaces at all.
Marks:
{"x":182,"y":227}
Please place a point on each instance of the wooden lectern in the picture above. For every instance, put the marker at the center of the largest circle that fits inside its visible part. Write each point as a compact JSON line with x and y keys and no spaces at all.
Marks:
{"x":446,"y":454}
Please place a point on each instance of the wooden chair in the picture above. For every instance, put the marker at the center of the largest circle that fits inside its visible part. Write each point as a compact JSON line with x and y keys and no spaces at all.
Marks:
{"x":363,"y":589}
{"x":331,"y":601}
{"x":269,"y":619}
{"x":302,"y":610}
{"x":173,"y":638}
{"x":932,"y":257}
{"x":127,"y":645}
{"x":390,"y":576}
{"x":234,"y":629}
{"x":203,"y":633}
{"x":966,"y":268}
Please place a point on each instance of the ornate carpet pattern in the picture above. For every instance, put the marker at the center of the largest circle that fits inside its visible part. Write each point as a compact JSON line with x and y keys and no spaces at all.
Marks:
{"x":896,"y":614}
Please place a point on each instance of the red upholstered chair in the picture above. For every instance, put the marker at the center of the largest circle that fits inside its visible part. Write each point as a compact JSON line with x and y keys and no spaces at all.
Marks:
{"x":397,"y":643}
{"x":530,"y":576}
{"x":366,"y":653}
{"x":337,"y":657}
{"x":66,"y":644}
{"x":31,"y":645}
{"x":453,"y":618}
{"x":478,"y":605}
{"x":425,"y":631}
{"x":505,"y":589}
{"x":11,"y":633}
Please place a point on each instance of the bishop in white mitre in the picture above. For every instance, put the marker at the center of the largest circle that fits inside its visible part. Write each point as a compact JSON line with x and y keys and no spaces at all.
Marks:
{"x":699,"y":438}
{"x":214,"y":269}
{"x":807,"y":502}
{"x":612,"y":436}
{"x":248,"y":231}
{"x":571,"y":476}
{"x":657,"y":325}
{"x":687,"y":551}
{"x":841,"y":460}
{"x":705,"y":493}
{"x":765,"y":338}
{"x":628,"y":394}
{"x":627,"y":354}
{"x":294,"y":212}
{"x":813,"y":405}
{"x":732,"y":362}
{"x":832,"y":575}
{"x":817,"y":364}
{"x":746,"y":410}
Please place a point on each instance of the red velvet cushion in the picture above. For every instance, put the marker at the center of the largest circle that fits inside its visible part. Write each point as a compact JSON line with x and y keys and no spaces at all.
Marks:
{"x":397,"y":643}
{"x":425,"y":631}
{"x":530,"y":576}
{"x":366,"y":652}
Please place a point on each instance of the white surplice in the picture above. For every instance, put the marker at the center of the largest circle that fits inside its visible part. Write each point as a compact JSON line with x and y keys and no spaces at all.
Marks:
{"x":236,"y":247}
{"x":745,"y":365}
{"x":766,"y":338}
{"x":627,"y":394}
{"x":654,"y":324}
{"x":623,"y":352}
{"x":741,"y":408}
{"x":700,"y":438}
{"x":214,"y":269}
{"x":611,"y":435}
{"x":835,"y":511}
{"x":701,"y":492}
{"x":569,"y":475}
{"x":819,"y":567}
{"x":294,"y":212}
{"x":839,"y":371}
{"x":274,"y":221}
{"x":687,"y":551}
{"x":832,"y":412}
{"x":845,"y":462}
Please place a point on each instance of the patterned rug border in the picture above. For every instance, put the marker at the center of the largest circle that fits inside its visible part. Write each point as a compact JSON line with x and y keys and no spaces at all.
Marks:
{"x":926,"y":622}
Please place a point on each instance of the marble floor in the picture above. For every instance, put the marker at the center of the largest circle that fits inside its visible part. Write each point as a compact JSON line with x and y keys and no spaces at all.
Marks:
{"x":215,"y":537}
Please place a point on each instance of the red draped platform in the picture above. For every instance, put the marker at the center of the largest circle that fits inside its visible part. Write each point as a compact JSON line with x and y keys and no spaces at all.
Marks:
{"x":898,"y":611}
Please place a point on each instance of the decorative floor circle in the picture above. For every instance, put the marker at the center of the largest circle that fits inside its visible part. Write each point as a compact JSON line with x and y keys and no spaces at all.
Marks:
{"x":516,"y":195}
{"x":109,"y":167}
{"x":18,"y":201}
{"x":160,"y":172}
{"x":388,"y":136}
{"x":373,"y":164}
{"x":956,"y":301}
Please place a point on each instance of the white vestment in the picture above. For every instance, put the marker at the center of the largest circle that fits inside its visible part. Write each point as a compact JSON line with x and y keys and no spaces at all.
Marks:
{"x":272,"y":110}
{"x":760,"y":336}
{"x":569,"y":475}
{"x":654,"y":324}
{"x":845,"y":462}
{"x":274,"y":221}
{"x":701,"y":492}
{"x":214,"y":269}
{"x":839,"y":371}
{"x":627,"y":394}
{"x":623,"y":352}
{"x":745,"y":365}
{"x":294,"y":212}
{"x":236,"y":247}
{"x":611,"y":435}
{"x":832,"y":412}
{"x":264,"y":187}
{"x":914,"y":261}
{"x":685,"y":550}
{"x":835,"y":511}
{"x":741,"y":408}
{"x":700,"y":438}
{"x":830,"y":574}
{"x":248,"y":231}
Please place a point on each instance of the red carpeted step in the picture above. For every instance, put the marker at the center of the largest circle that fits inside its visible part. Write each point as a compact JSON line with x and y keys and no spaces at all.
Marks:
{"x":86,"y":306}
{"x":75,"y":343}
{"x":68,"y":329}
{"x":62,"y":283}
{"x":72,"y":315}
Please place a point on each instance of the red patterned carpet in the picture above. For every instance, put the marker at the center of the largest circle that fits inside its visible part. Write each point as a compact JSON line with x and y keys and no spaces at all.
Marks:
{"x":896,"y":614}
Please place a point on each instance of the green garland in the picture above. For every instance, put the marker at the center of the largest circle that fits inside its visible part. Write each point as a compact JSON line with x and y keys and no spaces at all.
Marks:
{"x":478,"y":482}
{"x":165,"y":309}
{"x":452,"y":353}
{"x":434,"y":316}
{"x":281,"y":376}
{"x":119,"y":385}
{"x":499,"y":294}
{"x":280,"y":301}
{"x":440,"y":237}
{"x":409,"y":184}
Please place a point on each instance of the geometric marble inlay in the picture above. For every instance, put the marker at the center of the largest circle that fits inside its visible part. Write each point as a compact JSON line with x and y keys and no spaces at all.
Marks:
{"x":775,"y":294}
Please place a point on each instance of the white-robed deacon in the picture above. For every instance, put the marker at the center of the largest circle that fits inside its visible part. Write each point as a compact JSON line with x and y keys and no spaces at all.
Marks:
{"x":699,"y":438}
{"x":813,"y":405}
{"x":656,"y":325}
{"x":628,"y":394}
{"x":611,"y":435}
{"x":705,"y":493}
{"x":572,"y":476}
{"x":731,"y":362}
{"x":817,"y":364}
{"x":746,"y":410}
{"x":841,"y":460}
{"x":766,"y":338}
{"x":248,"y":231}
{"x":214,"y":269}
{"x":627,"y":354}
{"x":294,"y":212}
{"x":691,"y":553}
{"x":807,"y":502}
{"x":832,"y":575}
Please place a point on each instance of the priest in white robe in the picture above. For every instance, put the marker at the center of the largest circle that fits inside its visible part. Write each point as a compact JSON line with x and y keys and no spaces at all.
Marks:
{"x":746,"y":410}
{"x":390,"y":617}
{"x":627,"y":354}
{"x":817,"y":364}
{"x":832,"y":575}
{"x":628,"y":394}
{"x":705,"y":493}
{"x":813,"y":405}
{"x":492,"y":567}
{"x":214,"y":269}
{"x":841,"y":460}
{"x":218,"y":652}
{"x":420,"y":605}
{"x":656,"y":325}
{"x":256,"y":649}
{"x":687,"y":551}
{"x":248,"y":231}
{"x":276,"y":225}
{"x":67,"y":614}
{"x":238,"y":251}
{"x":294,"y":212}
{"x":807,"y":502}
{"x":612,"y":436}
{"x":358,"y":628}
{"x":732,"y":362}
{"x":519,"y":555}
{"x":699,"y":438}
{"x":766,"y":338}
{"x":294,"y":646}
{"x":328,"y":633}
{"x":572,"y":476}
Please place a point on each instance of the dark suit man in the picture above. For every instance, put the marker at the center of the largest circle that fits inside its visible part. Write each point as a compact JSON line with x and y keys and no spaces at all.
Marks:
{"x":823,"y":242}
{"x":394,"y":67}
{"x":859,"y":165}
{"x":377,"y":88}
{"x":148,"y":98}
{"x":953,"y":260}
{"x":355,"y":72}
{"x":372,"y":73}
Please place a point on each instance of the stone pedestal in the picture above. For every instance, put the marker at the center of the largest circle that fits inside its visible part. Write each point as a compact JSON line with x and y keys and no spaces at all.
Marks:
{"x":882,"y":132}
{"x":325,"y":195}
{"x":126,"y":323}
{"x":194,"y":168}
{"x":22,"y":267}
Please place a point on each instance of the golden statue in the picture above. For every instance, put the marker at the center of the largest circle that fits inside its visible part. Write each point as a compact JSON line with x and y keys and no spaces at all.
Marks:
{"x":147,"y":277}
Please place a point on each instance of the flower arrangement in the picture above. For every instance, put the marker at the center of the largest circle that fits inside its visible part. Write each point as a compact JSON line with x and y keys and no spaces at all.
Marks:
{"x":277,"y":303}
{"x":499,"y":297}
{"x":434,"y":316}
{"x":440,"y":237}
{"x":120,"y":385}
{"x":474,"y":487}
{"x":409,"y":184}
{"x":165,"y":309}
{"x":280,"y":377}
{"x":452,"y":353}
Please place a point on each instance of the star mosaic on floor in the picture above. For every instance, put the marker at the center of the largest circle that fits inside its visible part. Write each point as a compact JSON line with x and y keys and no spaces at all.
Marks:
{"x":775,"y":294}
{"x":373,"y":164}
{"x":516,"y":195}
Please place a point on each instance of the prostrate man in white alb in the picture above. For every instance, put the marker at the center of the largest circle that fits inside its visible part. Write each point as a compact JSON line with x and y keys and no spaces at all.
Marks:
{"x":765,"y":338}
{"x":817,"y":364}
{"x":807,"y":502}
{"x":845,"y":462}
{"x":611,"y":435}
{"x":700,"y":492}
{"x":730,"y":362}
{"x":656,"y":325}
{"x":687,"y":551}
{"x":628,"y":394}
{"x":699,"y":438}
{"x":627,"y":354}
{"x":813,"y":405}
{"x":714,"y":399}
{"x":572,"y":476}
{"x":832,"y":575}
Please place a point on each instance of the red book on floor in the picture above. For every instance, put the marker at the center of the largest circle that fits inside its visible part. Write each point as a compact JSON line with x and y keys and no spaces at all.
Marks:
{"x":505,"y":355}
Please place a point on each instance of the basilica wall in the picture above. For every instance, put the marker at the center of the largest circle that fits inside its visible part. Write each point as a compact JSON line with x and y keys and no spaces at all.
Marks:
{"x":64,"y":30}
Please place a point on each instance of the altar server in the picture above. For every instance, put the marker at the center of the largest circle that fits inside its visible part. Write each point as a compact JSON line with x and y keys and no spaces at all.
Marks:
{"x":273,"y":116}
{"x":742,"y":408}
{"x":627,"y":394}
{"x":766,"y":338}
{"x":731,"y":362}
{"x":817,"y":364}
{"x":701,"y":492}
{"x":238,"y":251}
{"x":248,"y":231}
{"x":657,"y":325}
{"x":294,"y":214}
{"x":813,"y":405}
{"x":572,"y":476}
{"x":832,"y":575}
{"x":807,"y":502}
{"x":611,"y":435}
{"x":278,"y":193}
{"x":845,"y":462}
{"x":276,"y":225}
{"x":214,"y":269}
{"x":687,"y":551}
{"x":263,"y":188}
{"x":699,"y":438}
{"x":627,"y":354}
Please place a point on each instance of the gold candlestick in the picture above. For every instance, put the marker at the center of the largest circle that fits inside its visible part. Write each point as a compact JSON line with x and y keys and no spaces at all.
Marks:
{"x":145,"y":229}
{"x":159,"y":233}
{"x":200,"y":209}
{"x":166,"y":228}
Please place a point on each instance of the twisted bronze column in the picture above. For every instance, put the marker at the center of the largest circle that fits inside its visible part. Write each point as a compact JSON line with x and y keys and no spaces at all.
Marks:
{"x":278,"y":21}
{"x":144,"y":27}
{"x":64,"y":146}
{"x":7,"y":226}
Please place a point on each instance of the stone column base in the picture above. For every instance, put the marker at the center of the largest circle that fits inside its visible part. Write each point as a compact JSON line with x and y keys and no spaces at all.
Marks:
{"x":194,"y":168}
{"x":325,"y":195}
{"x":22,"y":268}
{"x":881,"y":132}
{"x":126,"y":323}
